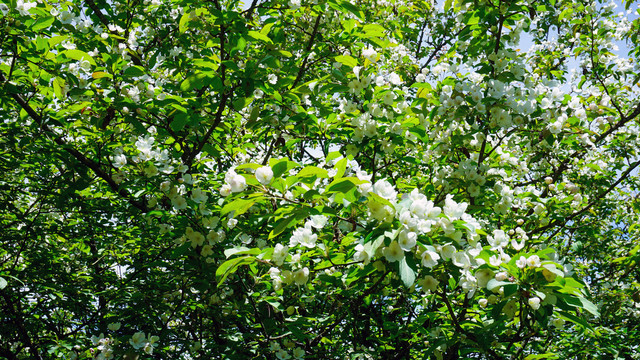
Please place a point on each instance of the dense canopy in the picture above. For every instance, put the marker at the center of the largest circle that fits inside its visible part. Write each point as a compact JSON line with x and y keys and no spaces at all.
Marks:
{"x":321,"y":179}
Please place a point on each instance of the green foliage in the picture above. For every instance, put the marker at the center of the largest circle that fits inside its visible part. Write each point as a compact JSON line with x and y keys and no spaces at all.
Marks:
{"x":326,"y":179}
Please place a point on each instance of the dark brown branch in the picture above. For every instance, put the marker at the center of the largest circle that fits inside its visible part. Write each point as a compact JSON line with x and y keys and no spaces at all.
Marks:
{"x":433,"y":55}
{"x":18,"y":320}
{"x":424,"y":25}
{"x":633,"y":114}
{"x":307,"y":49}
{"x":103,"y":19}
{"x":188,"y":157}
{"x":249,"y":12}
{"x":589,"y":206}
{"x":270,"y":150}
{"x":565,"y":164}
{"x":96,"y":10}
{"x":360,"y":298}
{"x":91,"y":164}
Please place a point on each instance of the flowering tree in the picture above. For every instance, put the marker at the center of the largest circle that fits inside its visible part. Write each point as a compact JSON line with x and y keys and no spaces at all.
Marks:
{"x":326,"y":179}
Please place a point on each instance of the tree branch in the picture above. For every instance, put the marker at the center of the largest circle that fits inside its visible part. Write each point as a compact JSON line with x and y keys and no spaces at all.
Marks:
{"x":563,"y":222}
{"x":96,"y":10}
{"x":91,"y":164}
{"x":188,"y":157}
{"x":307,"y":49}
{"x":19,"y":323}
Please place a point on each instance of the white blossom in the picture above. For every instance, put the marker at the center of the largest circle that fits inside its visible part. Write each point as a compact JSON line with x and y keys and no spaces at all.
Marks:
{"x":430,"y":257}
{"x":393,"y":252}
{"x":138,"y":340}
{"x":264,"y":175}
{"x":24,"y":7}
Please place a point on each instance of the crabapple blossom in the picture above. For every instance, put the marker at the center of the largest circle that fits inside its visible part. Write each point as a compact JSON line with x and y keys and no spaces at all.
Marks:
{"x":533,"y":261}
{"x":407,"y":240}
{"x":236,"y":182}
{"x":428,"y":283}
{"x":264,"y":175}
{"x":430,"y":257}
{"x":534,"y":302}
{"x":24,"y":7}
{"x":393,"y":252}
{"x":303,"y":236}
{"x":370,"y":54}
{"x":280,"y":253}
{"x":198,"y":195}
{"x":138,"y":340}
{"x":361,"y":254}
{"x":483,"y":276}
{"x":301,"y":276}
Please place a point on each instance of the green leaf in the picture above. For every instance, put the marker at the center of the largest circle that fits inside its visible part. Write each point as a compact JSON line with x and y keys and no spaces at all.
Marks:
{"x":547,"y":356}
{"x":572,"y":284}
{"x":494,"y":284}
{"x":284,"y":53}
{"x":259,"y":36}
{"x":333,"y":155}
{"x":377,"y":198}
{"x":565,"y":13}
{"x":422,"y":85}
{"x":447,"y":5}
{"x":579,"y":302}
{"x":194,"y":81}
{"x":231,"y":266}
{"x":241,"y":103}
{"x":281,"y":226}
{"x":241,"y":44}
{"x":241,"y":250}
{"x":407,"y":274}
{"x":372,"y":246}
{"x":550,"y":139}
{"x":341,"y":167}
{"x":371,"y":30}
{"x":346,"y":6}
{"x":206,"y":64}
{"x":248,"y":166}
{"x":343,"y":185}
{"x":240,"y":206}
{"x":42,"y":44}
{"x":184,"y":21}
{"x":42,"y":23}
{"x":55,"y":40}
{"x":180,"y":250}
{"x":589,"y":306}
{"x":281,"y":166}
{"x":347,"y":60}
{"x":58,"y":87}
{"x":78,"y":55}
{"x":133,"y":71}
{"x":266,"y":28}
{"x":353,"y":9}
{"x":313,"y":171}
{"x":180,"y":119}
{"x":554,"y":269}
{"x":575,"y":319}
{"x":253,"y":116}
{"x":473,"y":19}
{"x":101,"y":74}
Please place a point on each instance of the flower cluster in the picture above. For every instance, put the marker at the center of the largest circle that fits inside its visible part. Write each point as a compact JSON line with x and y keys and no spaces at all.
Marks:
{"x":140,"y":341}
